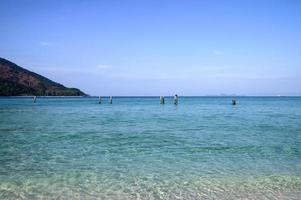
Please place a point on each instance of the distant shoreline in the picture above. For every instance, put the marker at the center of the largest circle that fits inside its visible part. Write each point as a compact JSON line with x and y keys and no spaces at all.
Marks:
{"x":215,"y":96}
{"x":42,"y":96}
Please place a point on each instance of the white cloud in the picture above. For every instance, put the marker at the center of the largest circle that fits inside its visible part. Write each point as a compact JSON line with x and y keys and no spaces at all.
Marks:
{"x":103,"y":66}
{"x":46,"y":44}
{"x":217,"y":52}
{"x":99,"y":70}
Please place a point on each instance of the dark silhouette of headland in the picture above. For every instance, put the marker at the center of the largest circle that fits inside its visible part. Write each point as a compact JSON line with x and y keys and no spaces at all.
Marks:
{"x":17,"y":81}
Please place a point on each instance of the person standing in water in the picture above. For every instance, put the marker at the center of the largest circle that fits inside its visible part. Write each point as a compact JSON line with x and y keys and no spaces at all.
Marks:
{"x":175,"y":99}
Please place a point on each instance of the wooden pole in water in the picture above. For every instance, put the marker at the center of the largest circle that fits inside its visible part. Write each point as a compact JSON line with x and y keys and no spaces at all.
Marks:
{"x":176,"y":99}
{"x":162,"y":100}
{"x":99,"y":99}
{"x":34,"y":99}
{"x":111,"y":100}
{"x":233,"y":102}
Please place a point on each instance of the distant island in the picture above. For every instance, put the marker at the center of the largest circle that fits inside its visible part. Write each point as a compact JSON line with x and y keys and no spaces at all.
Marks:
{"x":17,"y":81}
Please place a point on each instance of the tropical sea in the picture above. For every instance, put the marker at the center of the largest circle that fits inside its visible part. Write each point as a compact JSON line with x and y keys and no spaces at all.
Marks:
{"x":135,"y":148}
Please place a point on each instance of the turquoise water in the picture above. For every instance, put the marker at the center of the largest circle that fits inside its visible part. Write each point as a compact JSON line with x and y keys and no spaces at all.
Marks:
{"x":203,"y":148}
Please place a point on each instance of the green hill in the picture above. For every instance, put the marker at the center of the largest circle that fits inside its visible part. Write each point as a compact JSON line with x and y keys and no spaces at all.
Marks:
{"x":17,"y":81}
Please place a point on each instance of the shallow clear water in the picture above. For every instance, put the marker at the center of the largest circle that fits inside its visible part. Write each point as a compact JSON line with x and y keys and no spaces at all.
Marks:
{"x":204,"y":148}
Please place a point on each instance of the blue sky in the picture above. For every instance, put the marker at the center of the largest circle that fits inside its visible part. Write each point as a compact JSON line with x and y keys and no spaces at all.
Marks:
{"x":150,"y":47}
